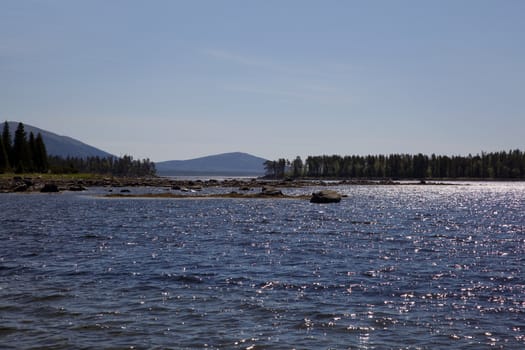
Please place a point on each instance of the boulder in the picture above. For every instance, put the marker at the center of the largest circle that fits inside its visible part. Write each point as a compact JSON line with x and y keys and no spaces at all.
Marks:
{"x":76,"y":188}
{"x":49,"y":188}
{"x":20,"y":187}
{"x":271,"y":191}
{"x":325,"y":196}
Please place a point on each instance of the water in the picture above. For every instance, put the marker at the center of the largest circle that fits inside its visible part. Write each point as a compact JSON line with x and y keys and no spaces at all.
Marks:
{"x":390,"y":267}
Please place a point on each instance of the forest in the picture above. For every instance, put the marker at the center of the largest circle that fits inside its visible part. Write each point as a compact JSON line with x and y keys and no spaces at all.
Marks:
{"x":494,"y":165}
{"x":27,"y":154}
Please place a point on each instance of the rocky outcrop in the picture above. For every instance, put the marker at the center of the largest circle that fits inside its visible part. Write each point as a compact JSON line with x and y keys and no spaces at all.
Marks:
{"x":325,"y":196}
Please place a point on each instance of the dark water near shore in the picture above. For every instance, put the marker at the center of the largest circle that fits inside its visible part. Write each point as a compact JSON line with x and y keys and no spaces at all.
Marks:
{"x":390,"y":267}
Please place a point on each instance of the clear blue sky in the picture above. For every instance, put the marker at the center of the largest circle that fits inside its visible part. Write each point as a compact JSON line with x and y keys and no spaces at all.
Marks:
{"x":275,"y":78}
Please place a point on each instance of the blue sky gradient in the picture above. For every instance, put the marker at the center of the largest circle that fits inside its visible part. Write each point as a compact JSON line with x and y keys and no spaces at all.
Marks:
{"x":182,"y":79}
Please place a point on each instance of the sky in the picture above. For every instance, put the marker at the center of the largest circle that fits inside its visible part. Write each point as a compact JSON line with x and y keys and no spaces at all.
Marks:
{"x":175,"y":79}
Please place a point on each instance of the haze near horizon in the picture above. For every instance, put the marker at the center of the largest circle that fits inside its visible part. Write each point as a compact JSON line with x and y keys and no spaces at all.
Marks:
{"x":179,"y":80}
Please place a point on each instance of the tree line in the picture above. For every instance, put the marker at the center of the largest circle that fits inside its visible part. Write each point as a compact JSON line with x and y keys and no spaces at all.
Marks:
{"x":123,"y":166}
{"x":28,"y":154}
{"x":493,"y":165}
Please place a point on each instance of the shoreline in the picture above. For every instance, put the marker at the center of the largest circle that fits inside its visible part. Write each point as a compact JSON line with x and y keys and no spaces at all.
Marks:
{"x":10,"y":183}
{"x":29,"y":183}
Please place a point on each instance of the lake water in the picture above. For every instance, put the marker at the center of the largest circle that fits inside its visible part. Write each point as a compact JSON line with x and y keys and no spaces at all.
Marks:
{"x":390,"y":267}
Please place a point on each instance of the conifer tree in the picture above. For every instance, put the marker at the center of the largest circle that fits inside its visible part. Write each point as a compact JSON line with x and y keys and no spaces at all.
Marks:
{"x":297,"y":167}
{"x":40,"y":154}
{"x":6,"y":139}
{"x":32,"y":148}
{"x":21,"y":151}
{"x":4,"y":160}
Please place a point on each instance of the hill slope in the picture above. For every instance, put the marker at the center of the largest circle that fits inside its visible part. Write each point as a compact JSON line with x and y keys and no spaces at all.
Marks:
{"x":235,"y":163}
{"x":57,"y":145}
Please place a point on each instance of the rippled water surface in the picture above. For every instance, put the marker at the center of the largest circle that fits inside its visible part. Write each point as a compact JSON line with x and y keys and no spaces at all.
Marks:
{"x":390,"y":267}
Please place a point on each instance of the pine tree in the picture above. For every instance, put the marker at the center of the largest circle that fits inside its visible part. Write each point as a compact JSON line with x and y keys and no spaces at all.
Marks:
{"x":21,"y":151}
{"x":32,"y":149}
{"x":40,"y":161}
{"x":297,"y":167}
{"x":4,"y":161}
{"x":6,"y":139}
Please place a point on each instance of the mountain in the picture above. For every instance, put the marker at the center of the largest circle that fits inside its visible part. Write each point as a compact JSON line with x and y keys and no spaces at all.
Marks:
{"x":229,"y":164}
{"x":57,"y":145}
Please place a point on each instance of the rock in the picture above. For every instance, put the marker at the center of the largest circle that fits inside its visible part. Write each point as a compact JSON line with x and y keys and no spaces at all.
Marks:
{"x":271,"y":191}
{"x":388,"y":182}
{"x":20,"y":187}
{"x":76,"y":188}
{"x":49,"y":188}
{"x":325,"y":196}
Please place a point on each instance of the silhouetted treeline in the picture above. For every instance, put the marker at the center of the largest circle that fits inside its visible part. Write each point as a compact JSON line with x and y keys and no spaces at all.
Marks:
{"x":495,"y":165}
{"x":123,"y":166}
{"x":23,"y":154}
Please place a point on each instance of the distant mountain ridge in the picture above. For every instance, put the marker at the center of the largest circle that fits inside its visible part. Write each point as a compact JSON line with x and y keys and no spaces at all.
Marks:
{"x":228,"y":164}
{"x":57,"y":145}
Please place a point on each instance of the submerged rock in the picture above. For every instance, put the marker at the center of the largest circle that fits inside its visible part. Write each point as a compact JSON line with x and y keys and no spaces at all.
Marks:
{"x":325,"y":196}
